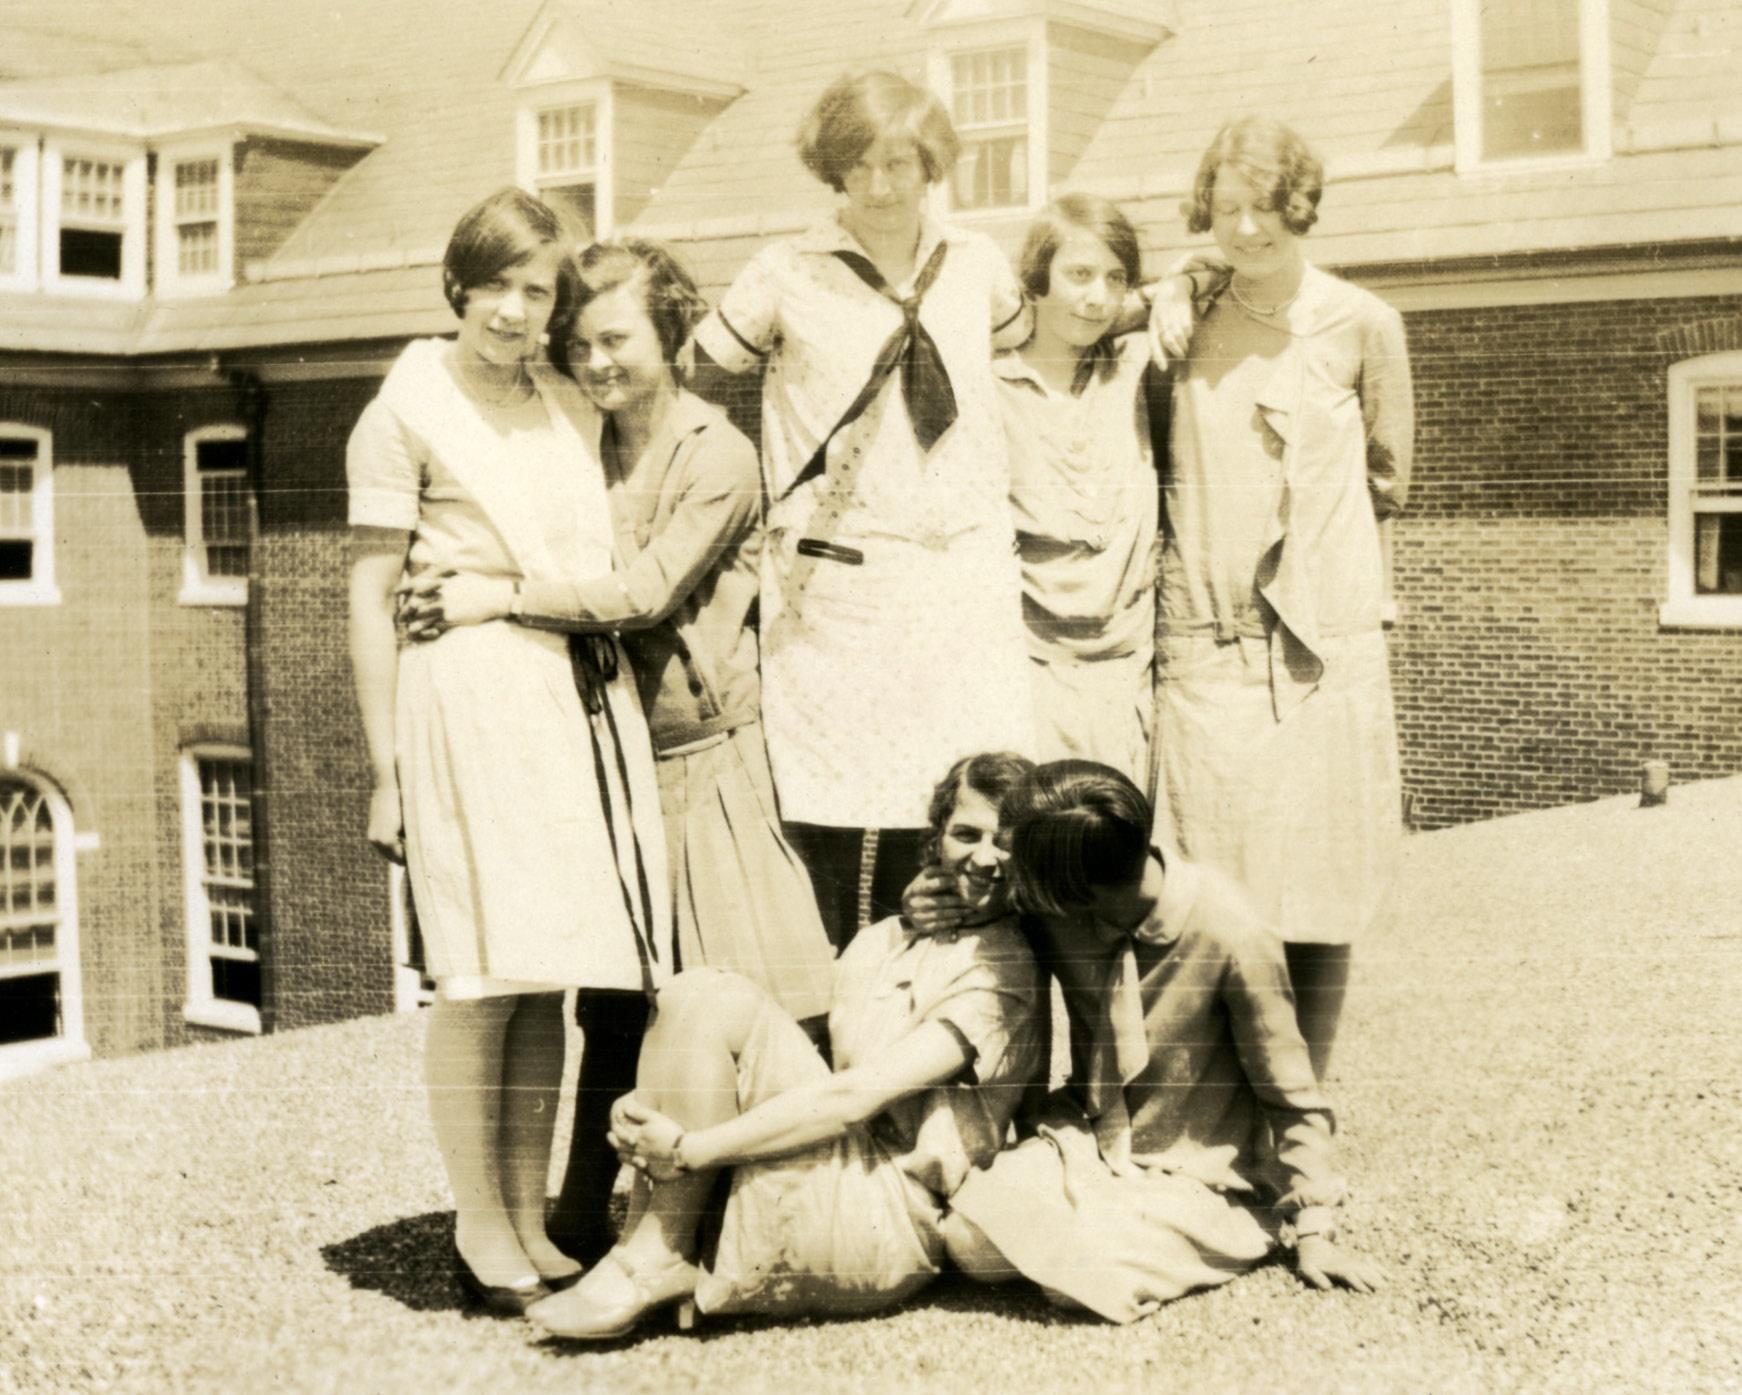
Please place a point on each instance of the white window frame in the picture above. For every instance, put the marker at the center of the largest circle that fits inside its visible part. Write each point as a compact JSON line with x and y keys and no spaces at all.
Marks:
{"x":28,"y":1057}
{"x":412,"y":989}
{"x":1029,"y":34}
{"x":1683,"y":605}
{"x":554,"y":96}
{"x":171,"y":283}
{"x":39,"y":588}
{"x":131,"y":285}
{"x":198,"y":586}
{"x":26,"y":175}
{"x":203,"y":1007}
{"x":1596,"y":85}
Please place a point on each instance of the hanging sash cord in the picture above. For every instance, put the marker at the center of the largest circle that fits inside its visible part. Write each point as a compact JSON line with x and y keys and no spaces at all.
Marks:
{"x":925,"y":382}
{"x":594,"y":661}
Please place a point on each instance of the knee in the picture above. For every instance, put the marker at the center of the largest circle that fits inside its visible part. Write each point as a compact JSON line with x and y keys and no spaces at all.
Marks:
{"x":715,"y":1002}
{"x":971,"y":1252}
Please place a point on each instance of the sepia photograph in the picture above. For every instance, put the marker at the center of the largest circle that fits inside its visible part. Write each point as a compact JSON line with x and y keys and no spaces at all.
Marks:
{"x":870,"y":695}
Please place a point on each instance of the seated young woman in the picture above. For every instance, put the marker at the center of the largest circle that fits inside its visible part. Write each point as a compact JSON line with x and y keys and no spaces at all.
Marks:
{"x":839,"y":1181}
{"x":1193,"y":1139}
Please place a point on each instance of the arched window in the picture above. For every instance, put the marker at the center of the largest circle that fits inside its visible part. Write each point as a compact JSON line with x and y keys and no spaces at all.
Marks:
{"x":41,"y":1016}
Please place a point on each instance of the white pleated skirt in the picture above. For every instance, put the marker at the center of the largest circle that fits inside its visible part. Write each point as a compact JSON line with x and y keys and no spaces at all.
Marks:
{"x":533,"y":835}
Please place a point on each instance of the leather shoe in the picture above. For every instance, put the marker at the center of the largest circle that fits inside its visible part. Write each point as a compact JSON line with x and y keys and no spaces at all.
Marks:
{"x":615,"y":1296}
{"x":500,"y":1300}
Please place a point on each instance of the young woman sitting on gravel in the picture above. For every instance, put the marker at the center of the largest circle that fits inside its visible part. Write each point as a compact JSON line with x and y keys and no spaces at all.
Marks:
{"x":840,"y":1180}
{"x":1192,"y":1139}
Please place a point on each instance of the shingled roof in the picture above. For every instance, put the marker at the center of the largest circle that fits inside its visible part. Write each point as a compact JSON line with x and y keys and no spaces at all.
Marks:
{"x":1370,"y":85}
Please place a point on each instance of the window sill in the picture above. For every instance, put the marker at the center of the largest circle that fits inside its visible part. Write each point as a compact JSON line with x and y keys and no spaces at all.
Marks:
{"x":1701,"y":613}
{"x":220,"y":593}
{"x":224,"y":1017}
{"x":1534,"y":164}
{"x":193,"y":290}
{"x":31,"y":1057}
{"x":93,"y":288}
{"x":29,"y":593}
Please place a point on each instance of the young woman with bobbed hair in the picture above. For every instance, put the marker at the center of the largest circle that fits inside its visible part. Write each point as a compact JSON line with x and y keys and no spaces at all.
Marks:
{"x":685,"y":496}
{"x":513,"y":773}
{"x":839,"y":1180}
{"x":1291,"y":440}
{"x":1083,"y":486}
{"x":891,"y":621}
{"x":1192,"y":1139}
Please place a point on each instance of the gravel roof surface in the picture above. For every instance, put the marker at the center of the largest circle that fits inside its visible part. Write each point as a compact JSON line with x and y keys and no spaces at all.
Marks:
{"x":1539,"y":1081}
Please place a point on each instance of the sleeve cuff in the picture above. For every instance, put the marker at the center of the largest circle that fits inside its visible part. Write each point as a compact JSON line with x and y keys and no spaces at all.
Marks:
{"x":726,"y":346}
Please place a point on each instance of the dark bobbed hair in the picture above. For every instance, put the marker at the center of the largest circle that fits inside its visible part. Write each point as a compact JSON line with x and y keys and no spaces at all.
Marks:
{"x":1073,"y":213}
{"x":1074,"y":825}
{"x":992,"y":774}
{"x":1275,"y":159}
{"x":668,"y":292}
{"x":501,"y":231}
{"x":857,"y":109}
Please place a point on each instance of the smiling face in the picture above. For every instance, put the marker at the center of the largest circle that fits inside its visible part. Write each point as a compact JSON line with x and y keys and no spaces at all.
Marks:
{"x":886,"y":189}
{"x":1251,"y":235}
{"x":972,"y":855}
{"x":505,"y":314}
{"x":1086,"y":287}
{"x":615,"y":348}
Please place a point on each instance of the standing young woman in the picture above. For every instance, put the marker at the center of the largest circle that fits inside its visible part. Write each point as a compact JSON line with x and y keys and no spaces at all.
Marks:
{"x":1083,"y":487}
{"x":1292,"y":434}
{"x":892,"y":636}
{"x":512,"y":769}
{"x":685,"y":495}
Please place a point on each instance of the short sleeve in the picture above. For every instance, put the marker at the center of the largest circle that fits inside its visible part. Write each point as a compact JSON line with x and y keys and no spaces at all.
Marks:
{"x":990,"y":1003}
{"x":383,"y":468}
{"x":740,"y":334}
{"x":1011,"y":321}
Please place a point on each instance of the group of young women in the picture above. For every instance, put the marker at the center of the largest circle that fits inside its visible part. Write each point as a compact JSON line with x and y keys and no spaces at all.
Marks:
{"x":652,"y":714}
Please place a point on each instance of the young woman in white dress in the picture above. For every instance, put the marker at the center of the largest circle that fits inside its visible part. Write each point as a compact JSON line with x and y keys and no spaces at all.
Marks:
{"x":512,"y":769}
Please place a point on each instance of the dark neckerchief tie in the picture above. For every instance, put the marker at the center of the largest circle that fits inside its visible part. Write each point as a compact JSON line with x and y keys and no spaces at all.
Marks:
{"x":925,"y":382}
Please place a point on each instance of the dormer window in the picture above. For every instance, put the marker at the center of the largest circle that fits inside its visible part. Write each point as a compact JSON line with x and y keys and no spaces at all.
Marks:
{"x":1026,"y":83}
{"x":93,"y":220}
{"x":18,"y":214}
{"x":567,"y":174}
{"x":1530,"y":82}
{"x":196,"y":235}
{"x":989,"y":101}
{"x":8,"y":212}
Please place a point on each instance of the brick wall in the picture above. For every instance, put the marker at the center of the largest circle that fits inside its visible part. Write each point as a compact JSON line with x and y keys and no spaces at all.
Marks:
{"x":1530,"y":668}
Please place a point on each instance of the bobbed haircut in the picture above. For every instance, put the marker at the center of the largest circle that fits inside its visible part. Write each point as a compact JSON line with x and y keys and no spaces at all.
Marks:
{"x":668,"y":292}
{"x":1074,"y":825}
{"x":503,"y":230}
{"x":858,"y":109}
{"x":992,"y":775}
{"x":1275,"y":159}
{"x":1075,"y":213}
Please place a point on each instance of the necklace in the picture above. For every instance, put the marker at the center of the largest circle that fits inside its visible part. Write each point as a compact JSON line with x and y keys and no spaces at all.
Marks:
{"x":517,"y":390}
{"x":1277,"y":309}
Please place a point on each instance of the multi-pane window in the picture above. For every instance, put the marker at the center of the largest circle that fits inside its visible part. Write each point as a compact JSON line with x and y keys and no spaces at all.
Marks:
{"x":93,"y":220}
{"x":196,"y":217}
{"x":25,"y":525}
{"x":217,"y":515}
{"x":989,"y":95}
{"x":1531,"y":93}
{"x":32,"y":1006}
{"x":1715,"y":500}
{"x":8,"y":211}
{"x":566,"y":163}
{"x":226,"y":878}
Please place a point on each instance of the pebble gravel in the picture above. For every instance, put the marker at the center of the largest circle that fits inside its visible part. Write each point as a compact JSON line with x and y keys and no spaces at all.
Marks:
{"x":1539,"y":1085}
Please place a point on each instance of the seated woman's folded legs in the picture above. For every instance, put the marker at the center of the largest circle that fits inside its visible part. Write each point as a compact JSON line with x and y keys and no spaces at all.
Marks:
{"x":689,"y":1072}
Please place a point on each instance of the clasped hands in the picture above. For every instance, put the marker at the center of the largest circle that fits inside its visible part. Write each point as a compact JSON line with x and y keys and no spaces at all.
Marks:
{"x":646,"y":1139}
{"x":429,"y":603}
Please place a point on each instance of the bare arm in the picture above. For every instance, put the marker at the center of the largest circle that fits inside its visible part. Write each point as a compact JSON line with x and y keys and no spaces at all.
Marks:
{"x":377,"y":557}
{"x":1388,"y":408}
{"x":931,"y":1054}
